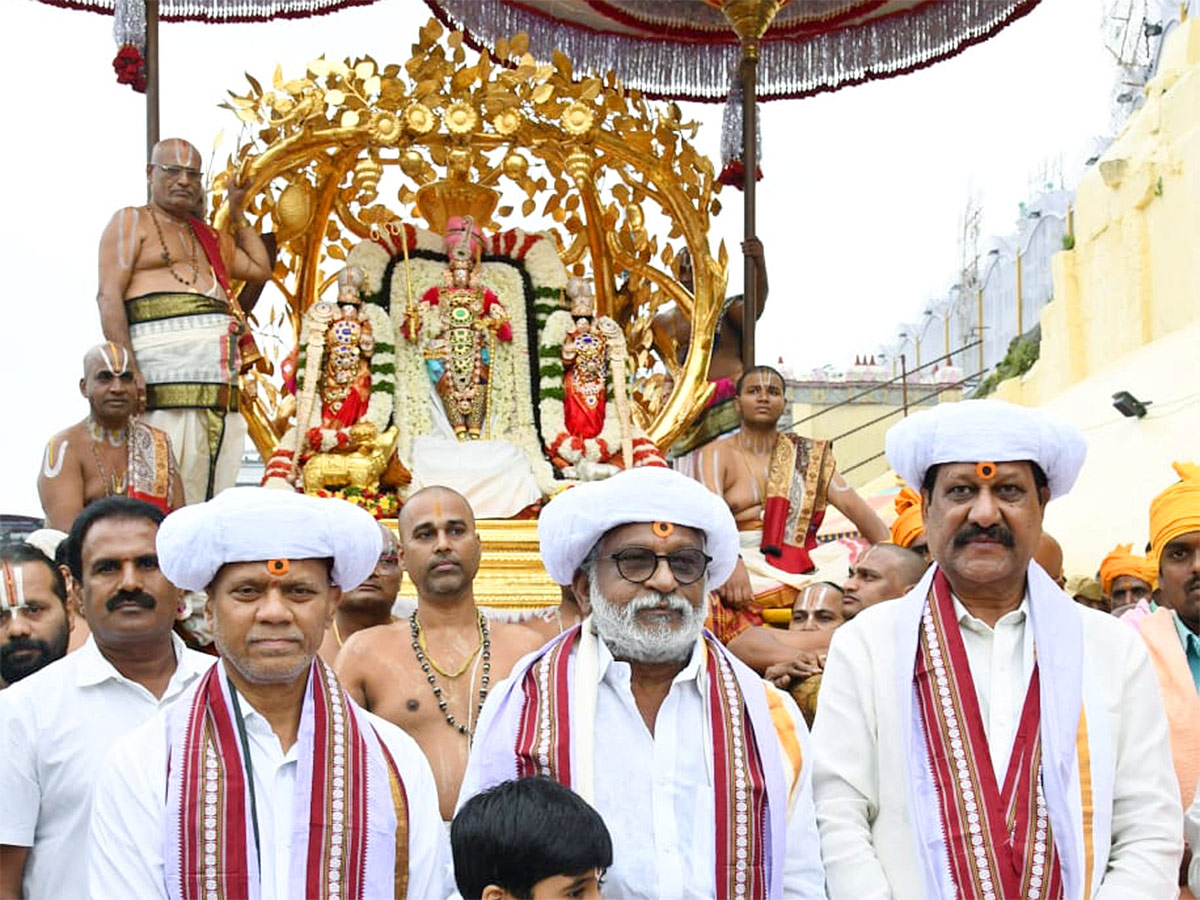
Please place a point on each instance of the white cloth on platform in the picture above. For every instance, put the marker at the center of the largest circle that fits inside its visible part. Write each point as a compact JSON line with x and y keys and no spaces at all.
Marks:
{"x":655,"y":790}
{"x":876,"y":803}
{"x":187,"y":430}
{"x":494,"y":476}
{"x":985,"y":431}
{"x":55,"y":727}
{"x":572,"y":523}
{"x":129,"y":812}
{"x":251,"y":523}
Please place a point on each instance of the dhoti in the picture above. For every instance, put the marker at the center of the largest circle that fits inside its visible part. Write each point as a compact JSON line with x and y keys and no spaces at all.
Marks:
{"x":774,"y":588}
{"x":186,"y":347}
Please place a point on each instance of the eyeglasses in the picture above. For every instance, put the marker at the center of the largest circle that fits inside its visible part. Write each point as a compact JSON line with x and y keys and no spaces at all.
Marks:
{"x":176,"y":171}
{"x":638,"y":564}
{"x":389,"y":559}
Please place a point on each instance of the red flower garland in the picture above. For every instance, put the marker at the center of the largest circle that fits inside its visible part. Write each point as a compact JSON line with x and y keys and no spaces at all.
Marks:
{"x":130,"y":68}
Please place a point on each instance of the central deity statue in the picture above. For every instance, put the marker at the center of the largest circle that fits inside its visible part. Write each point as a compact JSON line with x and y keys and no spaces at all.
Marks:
{"x":457,"y":326}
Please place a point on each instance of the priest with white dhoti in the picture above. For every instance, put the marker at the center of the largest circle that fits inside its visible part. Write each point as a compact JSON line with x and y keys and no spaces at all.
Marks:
{"x":267,"y":780}
{"x":985,"y":736}
{"x":700,"y":769}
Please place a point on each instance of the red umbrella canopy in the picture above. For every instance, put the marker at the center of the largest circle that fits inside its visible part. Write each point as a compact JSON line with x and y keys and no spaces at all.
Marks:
{"x":221,"y":10}
{"x":685,"y":49}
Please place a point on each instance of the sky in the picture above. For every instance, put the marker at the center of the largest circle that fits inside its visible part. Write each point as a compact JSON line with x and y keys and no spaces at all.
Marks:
{"x":859,"y":207}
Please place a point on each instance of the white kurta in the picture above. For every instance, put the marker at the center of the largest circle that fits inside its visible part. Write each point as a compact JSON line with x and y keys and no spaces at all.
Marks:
{"x":129,"y":813}
{"x":56,"y":726}
{"x":655,"y":791}
{"x":868,"y":808}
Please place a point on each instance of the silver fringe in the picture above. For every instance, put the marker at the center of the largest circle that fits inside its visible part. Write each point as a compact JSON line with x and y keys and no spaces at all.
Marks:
{"x":661,"y":68}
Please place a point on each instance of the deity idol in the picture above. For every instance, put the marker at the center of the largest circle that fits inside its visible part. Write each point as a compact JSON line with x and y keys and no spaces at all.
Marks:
{"x":585,"y":364}
{"x":458,"y":325}
{"x":346,"y":377}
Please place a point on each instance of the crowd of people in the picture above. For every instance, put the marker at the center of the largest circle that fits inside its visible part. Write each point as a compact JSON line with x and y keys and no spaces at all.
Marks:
{"x":976,"y":730}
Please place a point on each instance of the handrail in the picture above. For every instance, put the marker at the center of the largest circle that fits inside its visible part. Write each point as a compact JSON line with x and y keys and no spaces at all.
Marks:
{"x":902,"y":377}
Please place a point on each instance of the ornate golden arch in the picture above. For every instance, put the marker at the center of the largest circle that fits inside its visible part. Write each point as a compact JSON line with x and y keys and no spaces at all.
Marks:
{"x":593,"y":158}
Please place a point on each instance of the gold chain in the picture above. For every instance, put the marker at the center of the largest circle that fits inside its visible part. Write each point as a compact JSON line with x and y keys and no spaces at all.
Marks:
{"x":466,"y":663}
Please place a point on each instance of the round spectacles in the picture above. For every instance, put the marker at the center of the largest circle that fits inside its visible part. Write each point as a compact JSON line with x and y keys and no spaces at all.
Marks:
{"x":638,"y":564}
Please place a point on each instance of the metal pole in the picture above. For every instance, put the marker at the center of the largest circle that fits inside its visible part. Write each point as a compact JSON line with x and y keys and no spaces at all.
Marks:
{"x":750,"y":160}
{"x":151,"y":76}
{"x":904,"y":381}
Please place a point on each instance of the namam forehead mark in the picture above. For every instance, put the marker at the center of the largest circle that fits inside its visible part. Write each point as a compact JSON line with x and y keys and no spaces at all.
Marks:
{"x":176,"y":152}
{"x":109,"y":356}
{"x":12,"y":587}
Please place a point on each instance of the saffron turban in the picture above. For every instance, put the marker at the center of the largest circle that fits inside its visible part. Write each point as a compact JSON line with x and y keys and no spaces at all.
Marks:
{"x":908,"y":527}
{"x":1176,"y":510}
{"x":1120,"y":561}
{"x":985,"y":431}
{"x":572,"y":523}
{"x":249,"y":524}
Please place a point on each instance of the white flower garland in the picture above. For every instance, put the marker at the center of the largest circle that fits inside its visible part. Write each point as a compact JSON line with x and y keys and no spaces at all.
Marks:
{"x":511,"y":413}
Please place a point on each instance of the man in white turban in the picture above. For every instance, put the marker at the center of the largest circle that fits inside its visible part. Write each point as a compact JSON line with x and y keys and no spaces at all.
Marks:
{"x":985,"y":736}
{"x":698,"y":767}
{"x":266,"y":780}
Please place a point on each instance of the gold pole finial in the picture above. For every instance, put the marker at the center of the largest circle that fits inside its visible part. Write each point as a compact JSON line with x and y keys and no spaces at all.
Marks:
{"x":751,"y":19}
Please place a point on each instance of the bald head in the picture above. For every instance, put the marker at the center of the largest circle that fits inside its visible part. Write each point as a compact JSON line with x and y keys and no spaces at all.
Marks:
{"x":438,"y":543}
{"x":882,"y":572}
{"x":176,"y":152}
{"x":1049,"y":556}
{"x":109,"y":356}
{"x":436,"y":500}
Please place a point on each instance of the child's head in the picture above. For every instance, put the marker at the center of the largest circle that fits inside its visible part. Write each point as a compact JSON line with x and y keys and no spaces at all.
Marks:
{"x":530,"y":838}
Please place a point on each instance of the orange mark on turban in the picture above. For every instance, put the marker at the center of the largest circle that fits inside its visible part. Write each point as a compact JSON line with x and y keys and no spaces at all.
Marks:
{"x":907,"y":528}
{"x":1120,"y":561}
{"x":1176,"y":511}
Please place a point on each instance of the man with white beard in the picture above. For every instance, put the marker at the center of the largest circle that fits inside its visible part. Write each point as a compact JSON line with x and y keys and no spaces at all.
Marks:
{"x":698,"y":767}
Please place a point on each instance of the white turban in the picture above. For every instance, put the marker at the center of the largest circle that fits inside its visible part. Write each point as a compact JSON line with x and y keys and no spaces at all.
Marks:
{"x":249,"y":524}
{"x":576,"y":519}
{"x":985,"y":431}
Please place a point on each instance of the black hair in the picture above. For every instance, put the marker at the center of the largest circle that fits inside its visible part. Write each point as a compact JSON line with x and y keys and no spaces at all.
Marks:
{"x":1039,"y":477}
{"x":108,"y":508}
{"x":523,"y":831}
{"x":750,"y":371}
{"x":15,"y":554}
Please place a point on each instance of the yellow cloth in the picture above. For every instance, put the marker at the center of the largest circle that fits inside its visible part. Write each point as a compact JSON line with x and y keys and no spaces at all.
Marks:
{"x":907,"y":528}
{"x":1176,"y":510}
{"x":1120,"y":561}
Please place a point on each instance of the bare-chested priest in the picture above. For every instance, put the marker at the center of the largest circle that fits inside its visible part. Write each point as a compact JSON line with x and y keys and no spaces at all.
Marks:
{"x":109,"y":453}
{"x":431,"y":673}
{"x":777,"y":486}
{"x":369,"y":604}
{"x":166,"y":292}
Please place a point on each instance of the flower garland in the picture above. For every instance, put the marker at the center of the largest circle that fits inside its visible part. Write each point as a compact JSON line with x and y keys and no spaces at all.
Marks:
{"x":380,"y":504}
{"x":386,"y":278}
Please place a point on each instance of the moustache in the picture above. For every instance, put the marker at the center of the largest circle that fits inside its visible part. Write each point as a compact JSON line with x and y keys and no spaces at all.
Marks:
{"x":141,"y":598}
{"x":17,"y":644}
{"x":998,"y":533}
{"x":1192,"y":584}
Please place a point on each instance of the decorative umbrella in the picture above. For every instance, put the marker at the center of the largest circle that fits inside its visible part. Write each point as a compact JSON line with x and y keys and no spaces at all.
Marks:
{"x":685,"y":49}
{"x":135,"y":29}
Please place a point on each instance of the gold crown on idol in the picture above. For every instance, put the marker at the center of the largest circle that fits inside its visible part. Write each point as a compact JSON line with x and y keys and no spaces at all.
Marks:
{"x":438,"y":202}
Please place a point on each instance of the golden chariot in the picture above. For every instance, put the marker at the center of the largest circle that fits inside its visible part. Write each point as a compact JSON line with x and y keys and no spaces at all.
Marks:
{"x":361,"y":162}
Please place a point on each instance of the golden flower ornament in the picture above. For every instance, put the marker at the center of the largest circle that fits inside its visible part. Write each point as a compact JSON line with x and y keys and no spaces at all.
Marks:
{"x":461,"y":117}
{"x":578,"y":118}
{"x":385,"y":128}
{"x":419,"y":118}
{"x":506,"y":122}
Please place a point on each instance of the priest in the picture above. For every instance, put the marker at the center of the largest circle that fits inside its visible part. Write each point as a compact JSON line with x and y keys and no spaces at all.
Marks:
{"x":266,"y":780}
{"x":985,"y":736}
{"x":699,"y":768}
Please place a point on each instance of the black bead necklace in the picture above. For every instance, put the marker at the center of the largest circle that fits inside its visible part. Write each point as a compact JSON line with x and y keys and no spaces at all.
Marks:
{"x":486,"y":648}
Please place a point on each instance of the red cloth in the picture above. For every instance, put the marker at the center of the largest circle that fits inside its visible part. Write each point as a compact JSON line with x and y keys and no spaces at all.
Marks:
{"x":581,"y":420}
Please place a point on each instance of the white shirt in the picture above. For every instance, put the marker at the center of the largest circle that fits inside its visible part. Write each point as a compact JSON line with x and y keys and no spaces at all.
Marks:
{"x":57,"y":725}
{"x":1001,"y":662}
{"x":655,"y":792}
{"x":129,"y":813}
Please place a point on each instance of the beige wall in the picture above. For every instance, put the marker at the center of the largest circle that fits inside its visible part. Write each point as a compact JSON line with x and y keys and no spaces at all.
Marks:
{"x":1134,"y":274}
